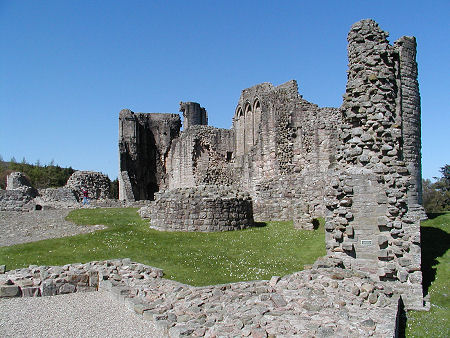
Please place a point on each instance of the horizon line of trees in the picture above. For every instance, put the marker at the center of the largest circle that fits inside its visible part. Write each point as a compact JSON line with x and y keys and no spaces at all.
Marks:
{"x":44,"y":176}
{"x":40,"y":176}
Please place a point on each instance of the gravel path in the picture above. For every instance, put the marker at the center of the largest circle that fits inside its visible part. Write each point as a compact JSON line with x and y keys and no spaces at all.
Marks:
{"x":90,"y":314}
{"x":21,"y":227}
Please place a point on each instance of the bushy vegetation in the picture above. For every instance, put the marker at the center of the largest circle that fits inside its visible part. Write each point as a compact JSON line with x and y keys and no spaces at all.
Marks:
{"x":275,"y":248}
{"x":436,"y":196}
{"x":40,"y":176}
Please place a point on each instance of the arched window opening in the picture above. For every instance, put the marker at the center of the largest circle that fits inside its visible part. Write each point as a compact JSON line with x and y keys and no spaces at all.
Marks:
{"x":249,"y":130}
{"x":239,"y":131}
{"x":256,"y":120}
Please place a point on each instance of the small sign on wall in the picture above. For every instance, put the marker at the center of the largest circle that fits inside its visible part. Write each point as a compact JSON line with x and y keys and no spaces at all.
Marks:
{"x":366,"y":242}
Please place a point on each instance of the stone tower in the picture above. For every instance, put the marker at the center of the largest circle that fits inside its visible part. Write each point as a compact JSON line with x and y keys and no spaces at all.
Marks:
{"x":371,"y":223}
{"x":144,"y":141}
{"x":193,"y":114}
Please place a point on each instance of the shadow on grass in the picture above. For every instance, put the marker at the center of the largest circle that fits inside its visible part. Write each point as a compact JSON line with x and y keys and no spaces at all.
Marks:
{"x":435,"y":243}
{"x":315,"y":223}
{"x":401,"y":320}
{"x":259,"y":224}
{"x":433,"y":215}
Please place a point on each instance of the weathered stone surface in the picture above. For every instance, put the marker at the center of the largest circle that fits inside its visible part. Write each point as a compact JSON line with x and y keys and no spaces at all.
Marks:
{"x":96,"y":184}
{"x":9,"y":291}
{"x":204,"y":208}
{"x":307,"y":303}
{"x":18,"y":193}
{"x":381,"y":107}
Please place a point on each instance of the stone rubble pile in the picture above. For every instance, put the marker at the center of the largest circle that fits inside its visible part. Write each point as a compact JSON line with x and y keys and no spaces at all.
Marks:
{"x":204,"y":208}
{"x":321,"y":302}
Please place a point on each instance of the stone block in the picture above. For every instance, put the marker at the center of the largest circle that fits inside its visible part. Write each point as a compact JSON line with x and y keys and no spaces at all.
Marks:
{"x":274,"y":280}
{"x":347,"y":246}
{"x":66,"y":288}
{"x":80,"y":288}
{"x":7,"y":291}
{"x":48,"y":288}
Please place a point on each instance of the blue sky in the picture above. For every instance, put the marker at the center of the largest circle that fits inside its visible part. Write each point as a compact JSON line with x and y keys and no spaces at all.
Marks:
{"x":68,"y":67}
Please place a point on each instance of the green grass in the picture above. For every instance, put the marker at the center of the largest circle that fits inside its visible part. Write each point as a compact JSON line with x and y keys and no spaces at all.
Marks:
{"x":435,"y":234}
{"x":275,"y":248}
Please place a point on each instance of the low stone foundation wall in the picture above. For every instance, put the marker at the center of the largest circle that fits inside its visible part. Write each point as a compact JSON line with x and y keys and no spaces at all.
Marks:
{"x":36,"y":281}
{"x":205,"y":209}
{"x":13,"y":200}
{"x":324,"y":301}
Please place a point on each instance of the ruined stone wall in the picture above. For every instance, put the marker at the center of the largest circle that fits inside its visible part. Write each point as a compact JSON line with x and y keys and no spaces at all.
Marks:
{"x":204,"y":209}
{"x":322,"y":302}
{"x":144,"y":141}
{"x":284,"y":166}
{"x":367,"y":223}
{"x":62,"y":197}
{"x":201,"y":155}
{"x":279,"y":150}
{"x":18,"y":193}
{"x":41,"y":281}
{"x":14,"y":200}
{"x":95,"y":183}
{"x":193,"y":115}
{"x":17,"y":181}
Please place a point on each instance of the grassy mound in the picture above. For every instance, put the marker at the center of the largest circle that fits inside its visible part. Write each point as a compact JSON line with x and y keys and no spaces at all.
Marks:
{"x":273,"y":248}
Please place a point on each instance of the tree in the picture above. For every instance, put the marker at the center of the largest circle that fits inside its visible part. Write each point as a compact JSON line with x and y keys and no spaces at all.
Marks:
{"x":114,"y":189}
{"x":436,"y":196}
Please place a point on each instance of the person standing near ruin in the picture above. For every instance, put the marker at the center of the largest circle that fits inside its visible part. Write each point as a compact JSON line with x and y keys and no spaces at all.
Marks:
{"x":85,"y":197}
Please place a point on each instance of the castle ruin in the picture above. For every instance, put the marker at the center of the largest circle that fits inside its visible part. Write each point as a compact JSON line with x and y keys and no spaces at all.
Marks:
{"x":359,"y":165}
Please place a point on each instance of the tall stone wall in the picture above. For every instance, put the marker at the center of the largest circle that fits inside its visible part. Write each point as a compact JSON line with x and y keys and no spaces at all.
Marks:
{"x":201,"y":155}
{"x":285,"y":167}
{"x":144,"y":141}
{"x":368,"y":224}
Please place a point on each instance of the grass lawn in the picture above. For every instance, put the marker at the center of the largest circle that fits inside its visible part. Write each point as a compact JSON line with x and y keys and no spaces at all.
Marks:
{"x":274,"y":248}
{"x":435,"y":234}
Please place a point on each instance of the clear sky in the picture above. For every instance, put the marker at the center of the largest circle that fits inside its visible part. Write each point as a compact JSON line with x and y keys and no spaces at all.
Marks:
{"x":68,"y":67}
